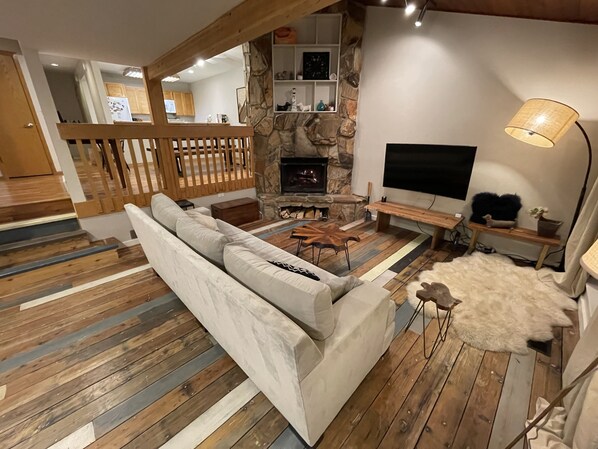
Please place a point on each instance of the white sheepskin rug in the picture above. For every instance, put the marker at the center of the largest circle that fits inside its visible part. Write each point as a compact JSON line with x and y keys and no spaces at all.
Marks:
{"x":503,"y":305}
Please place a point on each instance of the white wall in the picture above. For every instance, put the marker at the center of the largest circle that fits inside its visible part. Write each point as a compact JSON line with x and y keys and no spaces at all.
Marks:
{"x":458,"y":80}
{"x":37,"y":84}
{"x":63,"y":88}
{"x":218,"y":95}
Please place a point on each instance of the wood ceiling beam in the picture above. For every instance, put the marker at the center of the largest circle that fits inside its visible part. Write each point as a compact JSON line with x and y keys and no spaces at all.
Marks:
{"x":246,"y":21}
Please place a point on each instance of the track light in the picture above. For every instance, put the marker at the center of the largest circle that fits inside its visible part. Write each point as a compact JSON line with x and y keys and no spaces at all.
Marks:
{"x":409,"y":8}
{"x":422,"y":13}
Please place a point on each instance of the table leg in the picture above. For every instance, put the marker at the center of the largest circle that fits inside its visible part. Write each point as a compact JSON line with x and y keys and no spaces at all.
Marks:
{"x":437,"y":237}
{"x":347,"y":255}
{"x":542,"y":256}
{"x":473,"y":241}
{"x":382,"y":221}
{"x":298,"y":247}
{"x":319,"y":253}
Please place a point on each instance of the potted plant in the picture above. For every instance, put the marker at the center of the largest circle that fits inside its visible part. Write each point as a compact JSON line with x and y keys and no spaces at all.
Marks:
{"x":546,"y":226}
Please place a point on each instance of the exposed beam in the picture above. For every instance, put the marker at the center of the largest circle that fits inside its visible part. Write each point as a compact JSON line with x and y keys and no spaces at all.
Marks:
{"x":155,"y":95}
{"x":246,"y":21}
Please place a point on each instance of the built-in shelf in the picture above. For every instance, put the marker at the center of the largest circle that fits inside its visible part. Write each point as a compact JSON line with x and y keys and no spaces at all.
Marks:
{"x":315,"y":33}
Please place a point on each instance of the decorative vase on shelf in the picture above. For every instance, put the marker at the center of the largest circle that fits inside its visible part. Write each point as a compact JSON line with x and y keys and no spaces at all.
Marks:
{"x":321,"y":106}
{"x":547,"y":227}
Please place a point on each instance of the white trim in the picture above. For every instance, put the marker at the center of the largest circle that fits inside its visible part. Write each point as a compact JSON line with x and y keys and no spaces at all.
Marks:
{"x":2,"y":392}
{"x":389,"y":262}
{"x":207,"y":423}
{"x":132,"y":242}
{"x":79,"y":439}
{"x":83,"y":287}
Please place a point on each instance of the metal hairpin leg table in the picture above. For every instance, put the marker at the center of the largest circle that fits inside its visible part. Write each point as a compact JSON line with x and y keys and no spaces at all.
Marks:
{"x":328,"y":236}
{"x":440,"y":295}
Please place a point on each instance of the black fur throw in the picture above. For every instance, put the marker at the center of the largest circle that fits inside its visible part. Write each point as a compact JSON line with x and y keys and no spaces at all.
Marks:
{"x":504,"y":207}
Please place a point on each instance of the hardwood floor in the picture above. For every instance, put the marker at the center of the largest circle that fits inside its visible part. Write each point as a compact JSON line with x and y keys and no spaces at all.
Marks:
{"x":33,"y":197}
{"x":123,"y":363}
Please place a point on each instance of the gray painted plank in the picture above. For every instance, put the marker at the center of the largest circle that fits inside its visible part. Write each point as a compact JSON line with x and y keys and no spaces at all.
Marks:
{"x":69,"y":339}
{"x":289,"y":439}
{"x":125,"y":410}
{"x":514,"y":401}
{"x":402,"y":317}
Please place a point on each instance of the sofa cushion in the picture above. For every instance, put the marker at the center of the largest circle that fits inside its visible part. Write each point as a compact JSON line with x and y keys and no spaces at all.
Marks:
{"x":203,"y":219}
{"x":339,"y":286}
{"x":165,"y":211}
{"x":586,"y":431}
{"x":305,"y":301}
{"x":207,"y":242}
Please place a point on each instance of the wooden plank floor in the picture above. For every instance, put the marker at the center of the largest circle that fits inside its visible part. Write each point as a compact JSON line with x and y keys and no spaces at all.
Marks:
{"x":33,"y":197}
{"x":124,"y":364}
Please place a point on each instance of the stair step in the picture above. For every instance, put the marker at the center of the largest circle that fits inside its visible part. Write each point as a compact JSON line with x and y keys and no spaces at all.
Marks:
{"x":36,"y":228}
{"x":34,"y":210}
{"x":43,"y":240}
{"x":55,"y":260}
{"x":45,"y":247}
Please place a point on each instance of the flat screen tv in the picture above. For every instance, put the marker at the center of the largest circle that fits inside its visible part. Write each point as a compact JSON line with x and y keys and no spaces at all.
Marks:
{"x":443,"y":170}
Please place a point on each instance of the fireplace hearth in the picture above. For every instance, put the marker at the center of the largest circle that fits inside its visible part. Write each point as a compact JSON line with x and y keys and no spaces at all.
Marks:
{"x":306,"y":175}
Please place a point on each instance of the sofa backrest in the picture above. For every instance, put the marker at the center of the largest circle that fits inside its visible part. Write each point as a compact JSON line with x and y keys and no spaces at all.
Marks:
{"x":272,"y":350}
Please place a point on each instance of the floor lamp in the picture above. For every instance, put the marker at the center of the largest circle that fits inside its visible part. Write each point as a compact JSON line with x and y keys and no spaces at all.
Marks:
{"x":542,"y":123}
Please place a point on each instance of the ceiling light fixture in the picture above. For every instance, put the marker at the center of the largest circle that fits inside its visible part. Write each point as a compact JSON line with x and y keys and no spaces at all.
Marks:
{"x":200,"y":62}
{"x":133,"y":72}
{"x":171,"y":78}
{"x":422,"y":13}
{"x":409,"y":8}
{"x":190,"y":71}
{"x":54,"y":64}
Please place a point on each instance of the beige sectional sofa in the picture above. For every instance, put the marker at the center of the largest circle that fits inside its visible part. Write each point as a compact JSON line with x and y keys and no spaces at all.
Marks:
{"x":306,"y":344}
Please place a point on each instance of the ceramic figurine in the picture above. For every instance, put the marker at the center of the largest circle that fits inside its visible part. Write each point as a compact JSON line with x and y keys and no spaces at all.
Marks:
{"x":294,"y":100}
{"x":321,"y":106}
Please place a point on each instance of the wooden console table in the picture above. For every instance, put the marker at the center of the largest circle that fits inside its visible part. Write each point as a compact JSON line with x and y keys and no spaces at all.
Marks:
{"x":440,"y":220}
{"x":526,"y":235}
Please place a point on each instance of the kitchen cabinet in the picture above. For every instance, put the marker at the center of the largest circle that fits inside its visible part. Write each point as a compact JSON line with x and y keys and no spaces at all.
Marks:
{"x":115,"y":90}
{"x":138,"y":102}
{"x":183,"y":102}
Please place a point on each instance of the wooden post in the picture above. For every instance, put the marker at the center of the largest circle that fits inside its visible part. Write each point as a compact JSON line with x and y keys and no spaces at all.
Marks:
{"x":473,"y":241}
{"x":437,"y":237}
{"x":165,"y":148}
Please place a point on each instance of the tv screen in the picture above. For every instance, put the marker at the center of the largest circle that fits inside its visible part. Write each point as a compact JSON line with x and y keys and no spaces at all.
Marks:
{"x":443,"y":170}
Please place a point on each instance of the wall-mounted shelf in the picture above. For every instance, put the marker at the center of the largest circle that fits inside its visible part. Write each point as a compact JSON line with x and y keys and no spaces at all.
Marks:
{"x":315,"y":33}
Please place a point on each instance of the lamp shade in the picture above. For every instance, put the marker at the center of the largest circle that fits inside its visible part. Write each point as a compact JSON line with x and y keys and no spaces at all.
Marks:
{"x":541,"y":122}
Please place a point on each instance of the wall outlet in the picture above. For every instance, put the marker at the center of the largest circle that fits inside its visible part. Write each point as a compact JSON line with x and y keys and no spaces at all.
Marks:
{"x":458,"y":215}
{"x":220,"y":195}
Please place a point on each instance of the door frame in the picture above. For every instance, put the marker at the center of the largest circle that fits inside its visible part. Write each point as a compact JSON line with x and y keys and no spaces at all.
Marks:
{"x":34,"y":114}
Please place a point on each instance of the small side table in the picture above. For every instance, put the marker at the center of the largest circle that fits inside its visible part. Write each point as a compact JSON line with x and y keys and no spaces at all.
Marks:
{"x":185,"y":204}
{"x":441,"y":296}
{"x":329,"y":236}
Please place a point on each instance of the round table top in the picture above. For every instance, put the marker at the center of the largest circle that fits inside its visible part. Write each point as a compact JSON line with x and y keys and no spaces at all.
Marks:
{"x":324,"y":236}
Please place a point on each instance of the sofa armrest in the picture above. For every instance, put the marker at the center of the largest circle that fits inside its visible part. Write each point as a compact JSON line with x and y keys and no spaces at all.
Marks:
{"x":358,"y":342}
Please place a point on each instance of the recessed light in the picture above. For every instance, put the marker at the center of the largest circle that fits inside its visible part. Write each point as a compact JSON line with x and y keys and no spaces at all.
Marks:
{"x":200,"y":62}
{"x":418,"y":23}
{"x":409,"y":8}
{"x":54,"y":64}
{"x":190,"y":71}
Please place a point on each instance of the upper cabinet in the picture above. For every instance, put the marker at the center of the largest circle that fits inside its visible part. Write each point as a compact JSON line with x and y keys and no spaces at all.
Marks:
{"x":115,"y":89}
{"x":306,"y":64}
{"x":139,"y":104}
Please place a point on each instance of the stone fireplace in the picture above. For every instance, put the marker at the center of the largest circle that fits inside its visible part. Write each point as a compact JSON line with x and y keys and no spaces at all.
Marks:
{"x":303,"y":175}
{"x":280,"y":137}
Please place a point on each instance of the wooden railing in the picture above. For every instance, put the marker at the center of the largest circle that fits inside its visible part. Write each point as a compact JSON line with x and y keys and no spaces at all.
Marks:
{"x":128,"y":163}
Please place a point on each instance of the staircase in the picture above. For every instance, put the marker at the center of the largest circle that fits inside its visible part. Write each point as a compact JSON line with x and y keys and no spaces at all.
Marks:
{"x":42,"y":256}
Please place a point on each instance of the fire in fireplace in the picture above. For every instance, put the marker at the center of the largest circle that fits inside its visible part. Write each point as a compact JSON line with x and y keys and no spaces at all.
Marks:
{"x":303,"y":175}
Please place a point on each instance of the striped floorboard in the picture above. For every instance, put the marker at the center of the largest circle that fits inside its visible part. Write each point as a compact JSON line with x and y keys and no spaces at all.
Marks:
{"x":110,"y":358}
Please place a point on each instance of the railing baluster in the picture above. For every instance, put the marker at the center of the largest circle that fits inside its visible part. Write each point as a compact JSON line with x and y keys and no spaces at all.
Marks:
{"x":212,"y":150}
{"x":140,"y":190}
{"x":198,"y":154}
{"x":183,"y":164}
{"x":155,"y":166}
{"x":124,"y":168}
{"x":191,"y":150}
{"x":87,"y":169}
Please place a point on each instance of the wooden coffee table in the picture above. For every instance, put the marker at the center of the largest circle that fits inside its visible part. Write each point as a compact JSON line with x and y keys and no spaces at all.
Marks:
{"x":329,"y":236}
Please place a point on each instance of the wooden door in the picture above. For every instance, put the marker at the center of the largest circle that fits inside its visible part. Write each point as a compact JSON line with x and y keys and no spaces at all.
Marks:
{"x":23,"y":150}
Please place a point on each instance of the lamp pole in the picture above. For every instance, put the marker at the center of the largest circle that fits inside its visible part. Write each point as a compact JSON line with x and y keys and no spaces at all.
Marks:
{"x":582,"y":194}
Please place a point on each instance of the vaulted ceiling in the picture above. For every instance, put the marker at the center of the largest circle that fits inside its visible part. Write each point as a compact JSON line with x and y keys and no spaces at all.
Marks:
{"x":580,"y":11}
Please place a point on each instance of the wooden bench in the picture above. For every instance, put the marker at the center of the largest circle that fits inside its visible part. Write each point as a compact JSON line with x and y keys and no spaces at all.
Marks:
{"x":440,"y":220}
{"x":523,"y":234}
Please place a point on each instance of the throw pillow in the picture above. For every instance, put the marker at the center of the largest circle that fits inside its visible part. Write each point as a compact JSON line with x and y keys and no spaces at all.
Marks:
{"x":203,"y":219}
{"x":208,"y":243}
{"x":294,"y":269}
{"x":165,"y":211}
